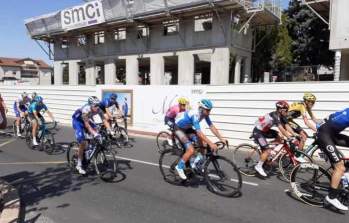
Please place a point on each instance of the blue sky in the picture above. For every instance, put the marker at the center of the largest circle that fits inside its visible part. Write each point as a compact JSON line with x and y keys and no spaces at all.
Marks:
{"x":14,"y":40}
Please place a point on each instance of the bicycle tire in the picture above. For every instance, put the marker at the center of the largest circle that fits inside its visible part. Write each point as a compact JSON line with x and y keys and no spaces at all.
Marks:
{"x":245,"y":157}
{"x":72,"y":155}
{"x":123,"y":136}
{"x":162,"y":141}
{"x":105,"y":164}
{"x":312,"y":191}
{"x":217,"y":179}
{"x":48,"y":142}
{"x":286,"y":166}
{"x":168,"y":160}
{"x":28,"y":138}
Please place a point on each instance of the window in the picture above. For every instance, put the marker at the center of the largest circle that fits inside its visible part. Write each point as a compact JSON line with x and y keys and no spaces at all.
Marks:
{"x":99,"y":37}
{"x":81,"y":40}
{"x":120,"y":34}
{"x":142,"y":32}
{"x":64,"y":43}
{"x":171,"y":27}
{"x":203,"y":23}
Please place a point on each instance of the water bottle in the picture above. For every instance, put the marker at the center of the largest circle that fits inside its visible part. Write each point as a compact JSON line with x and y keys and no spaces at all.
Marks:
{"x":344,"y":180}
{"x":192,"y":160}
{"x":88,"y":152}
{"x":199,"y":160}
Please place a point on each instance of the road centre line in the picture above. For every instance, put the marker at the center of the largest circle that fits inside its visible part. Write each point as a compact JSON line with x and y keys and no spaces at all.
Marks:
{"x":7,"y":142}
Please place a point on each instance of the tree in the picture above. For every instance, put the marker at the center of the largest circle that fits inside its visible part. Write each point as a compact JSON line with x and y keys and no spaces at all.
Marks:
{"x":310,"y":36}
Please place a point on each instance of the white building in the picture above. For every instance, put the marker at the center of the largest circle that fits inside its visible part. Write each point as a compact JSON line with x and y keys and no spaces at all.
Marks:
{"x":25,"y":71}
{"x":153,"y":41}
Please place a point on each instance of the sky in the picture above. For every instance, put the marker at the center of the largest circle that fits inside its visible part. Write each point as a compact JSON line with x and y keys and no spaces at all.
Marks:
{"x":14,"y":39}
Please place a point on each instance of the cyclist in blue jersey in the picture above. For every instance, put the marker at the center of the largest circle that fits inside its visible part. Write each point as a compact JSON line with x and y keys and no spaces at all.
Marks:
{"x":20,"y":107}
{"x":329,"y":136}
{"x":83,"y":121}
{"x":107,"y":103}
{"x":188,"y":130}
{"x":35,"y":116}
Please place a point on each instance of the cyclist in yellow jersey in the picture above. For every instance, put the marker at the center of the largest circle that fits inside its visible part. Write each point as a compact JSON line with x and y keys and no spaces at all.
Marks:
{"x":299,"y":109}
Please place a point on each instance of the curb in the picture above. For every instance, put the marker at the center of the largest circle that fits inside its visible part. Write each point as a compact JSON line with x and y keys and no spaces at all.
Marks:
{"x":11,"y":203}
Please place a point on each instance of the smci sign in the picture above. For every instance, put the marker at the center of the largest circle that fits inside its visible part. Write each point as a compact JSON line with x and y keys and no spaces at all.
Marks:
{"x":84,"y":15}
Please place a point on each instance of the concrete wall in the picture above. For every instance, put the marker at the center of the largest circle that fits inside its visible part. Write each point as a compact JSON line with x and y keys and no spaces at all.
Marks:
{"x":236,"y":107}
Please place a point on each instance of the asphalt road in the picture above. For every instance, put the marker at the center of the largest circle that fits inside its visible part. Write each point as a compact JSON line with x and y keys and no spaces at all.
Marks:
{"x":51,"y":193}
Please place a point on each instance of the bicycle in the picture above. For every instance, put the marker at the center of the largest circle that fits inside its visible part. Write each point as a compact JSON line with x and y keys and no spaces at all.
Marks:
{"x":220,"y":174}
{"x":44,"y":136}
{"x":103,"y":159}
{"x":246,"y":156}
{"x":310,"y":182}
{"x":121,"y":134}
{"x":166,"y":140}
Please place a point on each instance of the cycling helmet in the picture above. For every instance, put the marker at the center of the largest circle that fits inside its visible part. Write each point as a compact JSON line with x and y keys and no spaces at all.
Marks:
{"x":24,"y":94}
{"x":113,"y":96}
{"x":309,"y":97}
{"x":93,"y":100}
{"x":38,"y":99}
{"x":34,"y":94}
{"x":282,"y":105}
{"x":182,"y":101}
{"x":206,"y":104}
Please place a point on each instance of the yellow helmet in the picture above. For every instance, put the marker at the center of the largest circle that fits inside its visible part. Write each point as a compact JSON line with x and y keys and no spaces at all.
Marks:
{"x":182,"y":101}
{"x":309,"y":97}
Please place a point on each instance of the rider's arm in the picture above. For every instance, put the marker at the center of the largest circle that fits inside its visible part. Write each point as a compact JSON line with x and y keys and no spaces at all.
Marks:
{"x":205,"y":139}
{"x":308,"y":123}
{"x":108,"y":112}
{"x":290,"y":130}
{"x":283,"y":131}
{"x":87,"y":124}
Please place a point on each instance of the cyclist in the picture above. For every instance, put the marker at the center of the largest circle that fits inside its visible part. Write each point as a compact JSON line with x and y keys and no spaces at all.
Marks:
{"x":263,"y":129}
{"x":106,"y":105}
{"x":174,"y":110}
{"x":35,"y":116}
{"x":298,"y":109}
{"x":34,"y":94}
{"x":188,"y":130}
{"x":20,"y":107}
{"x":83,"y":122}
{"x":329,"y":136}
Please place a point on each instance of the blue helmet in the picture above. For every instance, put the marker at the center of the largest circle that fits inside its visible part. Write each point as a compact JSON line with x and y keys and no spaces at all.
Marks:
{"x":38,"y":99}
{"x":113,"y":96}
{"x":206,"y":104}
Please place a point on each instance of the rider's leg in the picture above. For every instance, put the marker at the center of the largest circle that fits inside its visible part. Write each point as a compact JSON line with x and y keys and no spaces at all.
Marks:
{"x":189,"y":148}
{"x":34,"y":128}
{"x":260,"y":139}
{"x":80,"y":137}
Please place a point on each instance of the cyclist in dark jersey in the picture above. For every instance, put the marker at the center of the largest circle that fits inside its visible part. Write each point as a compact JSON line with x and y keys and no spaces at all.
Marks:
{"x":329,"y":136}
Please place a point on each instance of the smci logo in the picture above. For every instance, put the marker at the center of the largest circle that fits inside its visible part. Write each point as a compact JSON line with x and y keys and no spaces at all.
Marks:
{"x":88,"y":14}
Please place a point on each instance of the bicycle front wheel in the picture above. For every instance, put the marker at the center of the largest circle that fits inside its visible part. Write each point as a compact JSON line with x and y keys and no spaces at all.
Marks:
{"x":286,"y":164}
{"x":163,"y":141}
{"x":310,"y":183}
{"x":123,"y":136}
{"x":222,"y":176}
{"x":48,"y":142}
{"x":245,"y":157}
{"x":105,"y":164}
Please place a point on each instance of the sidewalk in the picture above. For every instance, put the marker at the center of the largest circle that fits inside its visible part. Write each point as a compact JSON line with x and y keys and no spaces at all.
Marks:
{"x":10,"y":203}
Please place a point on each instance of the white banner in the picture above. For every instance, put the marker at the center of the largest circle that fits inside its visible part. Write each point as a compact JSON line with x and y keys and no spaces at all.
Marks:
{"x":84,"y":15}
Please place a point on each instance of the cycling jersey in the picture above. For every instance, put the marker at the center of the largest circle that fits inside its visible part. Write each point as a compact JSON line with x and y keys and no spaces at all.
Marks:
{"x":339,"y":120}
{"x":266,"y":122}
{"x":191,"y":119}
{"x":21,"y":104}
{"x":173,"y":111}
{"x":298,"y":109}
{"x":107,"y":103}
{"x":36,"y":107}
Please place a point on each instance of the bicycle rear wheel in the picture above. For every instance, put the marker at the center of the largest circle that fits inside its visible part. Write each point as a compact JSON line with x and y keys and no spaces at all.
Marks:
{"x":245,"y":157}
{"x":48,"y":142}
{"x":222,"y":176}
{"x":310,"y":183}
{"x":163,"y":141}
{"x":168,"y":160}
{"x":286,"y":164}
{"x":105,"y":164}
{"x":72,"y":155}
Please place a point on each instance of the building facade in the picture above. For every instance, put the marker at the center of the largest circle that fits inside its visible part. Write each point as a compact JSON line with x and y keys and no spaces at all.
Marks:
{"x":155,"y":42}
{"x":25,"y":71}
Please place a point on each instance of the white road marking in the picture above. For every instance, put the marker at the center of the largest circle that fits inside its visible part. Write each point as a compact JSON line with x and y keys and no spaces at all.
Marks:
{"x":7,"y":142}
{"x":31,"y":163}
{"x":157,"y":165}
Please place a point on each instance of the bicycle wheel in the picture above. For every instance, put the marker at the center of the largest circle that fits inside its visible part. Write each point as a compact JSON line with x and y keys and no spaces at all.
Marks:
{"x":163,"y":141}
{"x":286,"y":165}
{"x":320,"y":157}
{"x":310,"y":183}
{"x":72,"y":155}
{"x":168,"y":160}
{"x":222,"y":176}
{"x":105,"y":164}
{"x":48,"y":142}
{"x":123,"y":136}
{"x":245,"y":157}
{"x":28,"y":138}
{"x":14,"y":128}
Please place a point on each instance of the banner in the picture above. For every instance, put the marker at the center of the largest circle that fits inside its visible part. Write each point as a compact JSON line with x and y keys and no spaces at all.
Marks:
{"x":84,"y":15}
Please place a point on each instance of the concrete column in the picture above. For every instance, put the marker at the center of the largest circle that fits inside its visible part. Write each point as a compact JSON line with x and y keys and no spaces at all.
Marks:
{"x":110,"y":71}
{"x":90,"y":73}
{"x":344,"y":67}
{"x":237,"y":70}
{"x":247,"y":74}
{"x":220,"y":60}
{"x":73,"y":73}
{"x":157,"y":69}
{"x":132,"y":70}
{"x":185,"y":68}
{"x":337,"y":65}
{"x":58,"y":73}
